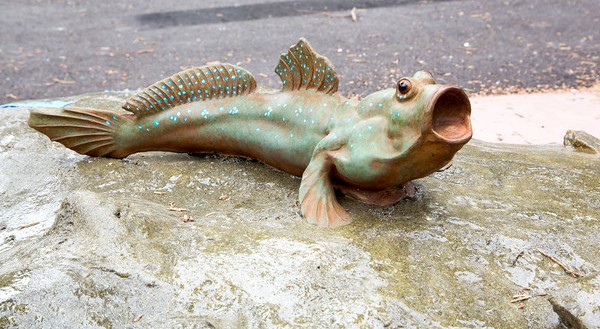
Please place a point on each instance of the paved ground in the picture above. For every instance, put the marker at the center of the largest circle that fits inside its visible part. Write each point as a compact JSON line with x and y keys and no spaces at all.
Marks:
{"x":67,"y":47}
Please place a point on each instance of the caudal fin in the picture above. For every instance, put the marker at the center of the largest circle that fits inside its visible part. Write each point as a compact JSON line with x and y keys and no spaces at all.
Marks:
{"x":86,"y":131}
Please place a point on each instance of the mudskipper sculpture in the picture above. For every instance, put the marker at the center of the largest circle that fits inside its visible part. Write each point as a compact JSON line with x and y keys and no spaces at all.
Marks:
{"x":369,"y":149}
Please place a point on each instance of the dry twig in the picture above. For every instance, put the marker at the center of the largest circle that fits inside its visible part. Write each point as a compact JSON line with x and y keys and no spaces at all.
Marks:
{"x":173,"y":208}
{"x":573,"y":273}
{"x":518,"y":256}
{"x":66,"y":82}
{"x":519,"y":298}
{"x":353,"y":14}
{"x":146,"y":51}
{"x":28,"y":225}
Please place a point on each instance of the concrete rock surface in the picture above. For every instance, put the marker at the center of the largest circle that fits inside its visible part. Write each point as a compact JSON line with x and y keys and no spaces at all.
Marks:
{"x":174,"y":240}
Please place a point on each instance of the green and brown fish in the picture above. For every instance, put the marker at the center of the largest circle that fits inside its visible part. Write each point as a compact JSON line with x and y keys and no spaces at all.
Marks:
{"x":370,"y":149}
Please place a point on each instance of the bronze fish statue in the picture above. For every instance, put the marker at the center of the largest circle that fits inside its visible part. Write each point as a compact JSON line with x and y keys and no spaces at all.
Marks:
{"x":369,"y":149}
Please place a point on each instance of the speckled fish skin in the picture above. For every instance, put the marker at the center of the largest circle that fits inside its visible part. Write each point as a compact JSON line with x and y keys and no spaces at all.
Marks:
{"x":264,"y":126}
{"x":369,"y":149}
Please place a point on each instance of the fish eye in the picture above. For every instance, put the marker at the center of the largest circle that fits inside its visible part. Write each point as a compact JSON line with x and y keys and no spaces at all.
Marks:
{"x":404,"y":86}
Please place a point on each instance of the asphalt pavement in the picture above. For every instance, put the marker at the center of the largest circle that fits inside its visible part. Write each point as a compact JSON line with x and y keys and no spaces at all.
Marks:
{"x":67,"y":47}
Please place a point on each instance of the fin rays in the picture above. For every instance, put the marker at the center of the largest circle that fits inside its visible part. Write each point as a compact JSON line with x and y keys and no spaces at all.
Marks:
{"x":301,"y":68}
{"x":195,"y":84}
{"x":317,"y":197}
{"x":74,"y":126}
{"x":79,"y":135}
{"x":80,"y":142}
{"x":85,"y":131}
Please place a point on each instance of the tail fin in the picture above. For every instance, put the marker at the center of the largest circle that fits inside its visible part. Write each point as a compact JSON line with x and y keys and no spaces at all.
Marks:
{"x":86,"y":131}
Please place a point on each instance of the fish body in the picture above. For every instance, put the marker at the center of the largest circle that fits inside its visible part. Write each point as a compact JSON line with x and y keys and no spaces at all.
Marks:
{"x":369,"y":149}
{"x":264,"y":126}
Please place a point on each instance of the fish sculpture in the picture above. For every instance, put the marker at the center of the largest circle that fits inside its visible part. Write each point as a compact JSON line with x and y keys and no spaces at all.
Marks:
{"x":369,"y":149}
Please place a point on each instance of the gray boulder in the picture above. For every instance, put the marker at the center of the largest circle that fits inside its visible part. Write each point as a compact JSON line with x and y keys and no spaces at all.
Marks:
{"x":175,"y":240}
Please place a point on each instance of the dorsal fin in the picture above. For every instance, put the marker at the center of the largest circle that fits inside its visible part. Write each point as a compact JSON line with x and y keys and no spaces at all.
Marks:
{"x":302,"y":68}
{"x":196,"y":84}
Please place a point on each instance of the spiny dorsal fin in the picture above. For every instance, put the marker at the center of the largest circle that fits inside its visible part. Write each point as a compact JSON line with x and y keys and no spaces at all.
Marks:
{"x":302,"y":68}
{"x":196,"y":84}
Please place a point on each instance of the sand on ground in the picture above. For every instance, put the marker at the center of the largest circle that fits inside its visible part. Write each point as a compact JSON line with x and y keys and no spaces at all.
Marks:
{"x":541,"y":118}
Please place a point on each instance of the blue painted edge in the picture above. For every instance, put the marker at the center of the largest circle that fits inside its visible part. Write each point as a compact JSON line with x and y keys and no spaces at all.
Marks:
{"x":54,"y":104}
{"x":47,"y":104}
{"x":126,"y":91}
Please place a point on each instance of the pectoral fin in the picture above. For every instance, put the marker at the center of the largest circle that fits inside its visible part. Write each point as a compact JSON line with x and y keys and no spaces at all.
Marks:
{"x":317,"y":197}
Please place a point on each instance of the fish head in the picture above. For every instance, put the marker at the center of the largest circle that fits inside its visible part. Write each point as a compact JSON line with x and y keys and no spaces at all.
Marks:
{"x":429,"y":123}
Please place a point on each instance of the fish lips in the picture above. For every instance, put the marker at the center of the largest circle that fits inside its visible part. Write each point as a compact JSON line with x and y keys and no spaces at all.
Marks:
{"x":448,"y":117}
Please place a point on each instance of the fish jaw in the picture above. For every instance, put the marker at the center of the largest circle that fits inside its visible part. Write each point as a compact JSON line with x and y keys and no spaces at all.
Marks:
{"x":448,"y":117}
{"x":445,"y":129}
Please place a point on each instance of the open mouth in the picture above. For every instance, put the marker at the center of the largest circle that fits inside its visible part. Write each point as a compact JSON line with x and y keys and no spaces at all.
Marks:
{"x":450,"y":115}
